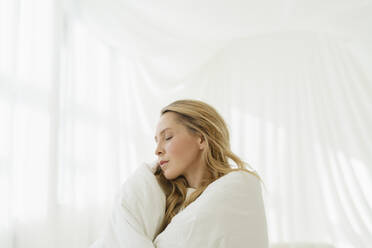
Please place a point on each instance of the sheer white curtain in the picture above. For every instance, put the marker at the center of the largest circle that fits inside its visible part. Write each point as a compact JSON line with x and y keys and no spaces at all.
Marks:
{"x":82,"y":84}
{"x":63,"y":139}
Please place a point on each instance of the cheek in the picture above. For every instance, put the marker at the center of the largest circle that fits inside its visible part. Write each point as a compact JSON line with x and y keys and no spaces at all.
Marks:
{"x":180,"y":149}
{"x":175,"y":148}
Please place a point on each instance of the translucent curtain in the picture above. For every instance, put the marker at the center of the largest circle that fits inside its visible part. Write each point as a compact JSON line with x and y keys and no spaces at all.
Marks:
{"x":78,"y":114}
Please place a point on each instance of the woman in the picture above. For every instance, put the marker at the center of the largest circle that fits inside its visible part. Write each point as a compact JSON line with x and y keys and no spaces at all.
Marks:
{"x":190,"y":197}
{"x":193,"y":148}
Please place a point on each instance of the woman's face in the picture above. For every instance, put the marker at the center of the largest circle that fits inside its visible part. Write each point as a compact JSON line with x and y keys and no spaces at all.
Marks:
{"x":176,"y":145}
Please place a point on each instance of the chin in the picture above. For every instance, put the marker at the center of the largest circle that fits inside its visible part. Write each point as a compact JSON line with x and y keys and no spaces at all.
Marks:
{"x":169,"y":176}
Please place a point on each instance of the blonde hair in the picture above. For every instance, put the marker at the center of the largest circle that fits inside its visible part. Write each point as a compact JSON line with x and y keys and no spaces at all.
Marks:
{"x":200,"y":119}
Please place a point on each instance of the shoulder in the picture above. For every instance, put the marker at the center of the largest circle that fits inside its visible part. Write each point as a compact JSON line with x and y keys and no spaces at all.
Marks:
{"x":235,"y":182}
{"x":242,"y":175}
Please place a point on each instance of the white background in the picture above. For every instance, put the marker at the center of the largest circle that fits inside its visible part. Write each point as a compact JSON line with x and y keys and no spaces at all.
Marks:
{"x":82,"y":84}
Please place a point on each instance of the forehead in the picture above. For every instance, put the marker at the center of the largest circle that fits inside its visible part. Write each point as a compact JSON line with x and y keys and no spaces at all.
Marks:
{"x":166,"y":122}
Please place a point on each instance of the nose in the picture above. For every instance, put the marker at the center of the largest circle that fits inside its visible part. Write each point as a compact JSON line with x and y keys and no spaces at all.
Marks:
{"x":159,"y":149}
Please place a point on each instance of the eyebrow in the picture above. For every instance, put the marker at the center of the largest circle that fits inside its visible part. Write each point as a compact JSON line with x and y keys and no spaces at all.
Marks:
{"x":162,"y":132}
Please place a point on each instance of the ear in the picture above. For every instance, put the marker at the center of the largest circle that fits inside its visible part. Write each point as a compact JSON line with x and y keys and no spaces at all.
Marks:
{"x":201,"y":142}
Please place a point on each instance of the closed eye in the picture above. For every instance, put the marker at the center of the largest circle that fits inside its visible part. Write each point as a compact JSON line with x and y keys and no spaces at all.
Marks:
{"x":169,"y":138}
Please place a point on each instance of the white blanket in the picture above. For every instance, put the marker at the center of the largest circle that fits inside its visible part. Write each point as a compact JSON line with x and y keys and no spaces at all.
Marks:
{"x":137,"y":213}
{"x":229,"y":213}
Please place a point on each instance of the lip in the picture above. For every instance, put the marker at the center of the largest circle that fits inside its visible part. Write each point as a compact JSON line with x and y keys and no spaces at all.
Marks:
{"x":163,"y":163}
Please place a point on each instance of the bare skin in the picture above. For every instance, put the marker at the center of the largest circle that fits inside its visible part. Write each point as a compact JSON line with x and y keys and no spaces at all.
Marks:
{"x":183,"y":150}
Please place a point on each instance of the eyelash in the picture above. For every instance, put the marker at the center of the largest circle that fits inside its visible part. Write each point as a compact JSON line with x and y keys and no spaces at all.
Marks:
{"x":169,"y":138}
